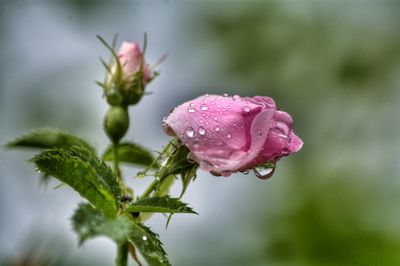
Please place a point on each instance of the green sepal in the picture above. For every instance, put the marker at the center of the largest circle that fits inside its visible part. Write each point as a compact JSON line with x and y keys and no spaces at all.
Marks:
{"x":163,"y":204}
{"x":133,"y":153}
{"x":84,"y":172}
{"x":89,"y":222}
{"x":188,"y":175}
{"x":47,"y":138}
{"x":118,"y":72}
{"x":177,"y":161}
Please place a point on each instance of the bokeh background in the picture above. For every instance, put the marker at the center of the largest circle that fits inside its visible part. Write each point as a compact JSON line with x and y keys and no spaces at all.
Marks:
{"x":334,"y":65}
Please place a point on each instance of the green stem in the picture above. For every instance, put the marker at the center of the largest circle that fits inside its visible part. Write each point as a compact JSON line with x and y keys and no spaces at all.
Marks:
{"x":122,"y":254}
{"x":116,"y":169}
{"x":153,"y":184}
{"x":150,"y":189}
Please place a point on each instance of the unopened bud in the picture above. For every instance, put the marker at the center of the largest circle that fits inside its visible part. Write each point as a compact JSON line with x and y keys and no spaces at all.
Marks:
{"x":116,"y":122}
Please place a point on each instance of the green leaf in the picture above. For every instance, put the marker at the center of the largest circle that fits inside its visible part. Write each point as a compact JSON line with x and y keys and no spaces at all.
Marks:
{"x":89,"y":222}
{"x":159,"y":204}
{"x":85,"y":173}
{"x":148,"y":244}
{"x":47,"y":138}
{"x":131,"y":153}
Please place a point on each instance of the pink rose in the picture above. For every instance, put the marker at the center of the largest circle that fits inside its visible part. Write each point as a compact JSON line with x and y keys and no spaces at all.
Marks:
{"x":231,"y":134}
{"x":131,"y":60}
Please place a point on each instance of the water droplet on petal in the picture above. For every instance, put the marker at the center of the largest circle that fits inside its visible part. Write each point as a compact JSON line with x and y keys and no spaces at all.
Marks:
{"x":217,"y":129}
{"x":201,"y":121}
{"x":225,"y":95}
{"x":229,"y":136}
{"x":203,"y":114}
{"x":264,"y":171}
{"x":246,"y":172}
{"x":246,"y":109}
{"x":189,"y":132}
{"x":215,"y":118}
{"x":236,"y":97}
{"x":191,"y":109}
{"x":204,"y":107}
{"x":202,"y":131}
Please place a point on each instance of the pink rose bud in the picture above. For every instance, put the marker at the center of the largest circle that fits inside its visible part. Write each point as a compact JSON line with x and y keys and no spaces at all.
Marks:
{"x":129,"y":76}
{"x":230,"y":134}
{"x":132,"y":61}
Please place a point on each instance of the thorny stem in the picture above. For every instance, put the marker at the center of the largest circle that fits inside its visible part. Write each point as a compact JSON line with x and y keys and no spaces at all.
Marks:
{"x":116,"y":169}
{"x":122,"y":248}
{"x":150,"y":189}
{"x":122,"y":254}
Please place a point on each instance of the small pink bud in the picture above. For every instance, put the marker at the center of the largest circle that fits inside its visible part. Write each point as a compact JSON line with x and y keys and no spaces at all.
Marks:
{"x":128,"y":77}
{"x":132,"y":61}
{"x":231,"y":134}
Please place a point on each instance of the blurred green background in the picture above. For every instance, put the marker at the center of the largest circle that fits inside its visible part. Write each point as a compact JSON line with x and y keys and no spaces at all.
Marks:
{"x":334,"y":65}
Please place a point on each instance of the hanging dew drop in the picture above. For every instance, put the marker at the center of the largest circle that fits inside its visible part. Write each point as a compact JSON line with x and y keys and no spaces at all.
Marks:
{"x":246,"y":172}
{"x":225,"y":95}
{"x":264,"y":171}
{"x":202,"y":131}
{"x":189,"y":132}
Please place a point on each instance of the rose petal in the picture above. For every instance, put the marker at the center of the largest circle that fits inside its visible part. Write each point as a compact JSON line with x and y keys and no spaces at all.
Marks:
{"x":230,"y":134}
